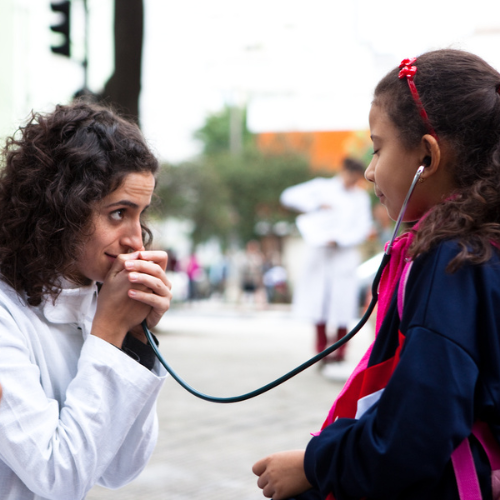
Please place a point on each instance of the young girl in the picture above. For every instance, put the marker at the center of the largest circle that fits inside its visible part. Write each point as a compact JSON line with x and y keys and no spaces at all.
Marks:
{"x":79,"y":382}
{"x":422,"y":410}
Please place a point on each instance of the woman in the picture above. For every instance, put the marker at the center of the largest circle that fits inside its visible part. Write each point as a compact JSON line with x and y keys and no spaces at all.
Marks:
{"x":79,"y":381}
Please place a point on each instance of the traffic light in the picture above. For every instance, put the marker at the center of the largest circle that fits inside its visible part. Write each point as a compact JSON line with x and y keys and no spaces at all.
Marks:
{"x":63,"y":27}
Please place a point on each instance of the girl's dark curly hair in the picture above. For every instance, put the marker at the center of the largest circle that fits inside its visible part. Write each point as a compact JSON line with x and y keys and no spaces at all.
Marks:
{"x":460,"y":93}
{"x":56,"y":167}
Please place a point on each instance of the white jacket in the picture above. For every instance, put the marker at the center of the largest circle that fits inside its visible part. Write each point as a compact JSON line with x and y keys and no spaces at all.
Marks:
{"x":76,"y":411}
{"x":327,"y":290}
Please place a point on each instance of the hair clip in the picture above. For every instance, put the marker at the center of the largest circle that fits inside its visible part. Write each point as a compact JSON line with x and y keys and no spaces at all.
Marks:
{"x":408,"y":71}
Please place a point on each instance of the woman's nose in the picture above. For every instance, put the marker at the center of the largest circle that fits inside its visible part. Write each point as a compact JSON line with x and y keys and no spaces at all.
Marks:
{"x":133,"y":237}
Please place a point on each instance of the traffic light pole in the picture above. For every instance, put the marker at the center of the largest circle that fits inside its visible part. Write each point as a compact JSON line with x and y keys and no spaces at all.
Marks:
{"x":63,"y":28}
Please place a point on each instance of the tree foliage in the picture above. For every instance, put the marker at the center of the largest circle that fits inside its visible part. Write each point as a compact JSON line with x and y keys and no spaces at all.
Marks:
{"x":218,"y":128}
{"x":227,"y":194}
{"x":190,"y":191}
{"x":255,"y":181}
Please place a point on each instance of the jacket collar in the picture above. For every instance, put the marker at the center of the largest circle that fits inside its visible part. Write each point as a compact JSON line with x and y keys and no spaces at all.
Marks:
{"x":73,"y":305}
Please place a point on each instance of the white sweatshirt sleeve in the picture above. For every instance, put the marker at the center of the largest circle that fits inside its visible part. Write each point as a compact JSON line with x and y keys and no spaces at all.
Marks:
{"x":356,"y":221}
{"x":103,"y":431}
{"x":304,"y":197}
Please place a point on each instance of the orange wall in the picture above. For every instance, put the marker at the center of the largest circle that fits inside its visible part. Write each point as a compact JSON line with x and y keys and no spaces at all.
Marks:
{"x":325,"y":150}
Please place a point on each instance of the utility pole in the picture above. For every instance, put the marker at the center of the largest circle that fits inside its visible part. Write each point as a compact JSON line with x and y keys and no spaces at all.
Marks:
{"x":85,"y":62}
{"x":235,"y":130}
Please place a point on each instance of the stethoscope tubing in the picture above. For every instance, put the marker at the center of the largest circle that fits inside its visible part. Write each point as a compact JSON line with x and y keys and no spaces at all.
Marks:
{"x":290,"y":374}
{"x":257,"y":392}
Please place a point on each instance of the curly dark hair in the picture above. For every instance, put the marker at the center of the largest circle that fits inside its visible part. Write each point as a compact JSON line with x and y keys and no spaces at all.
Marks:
{"x":460,"y":93}
{"x":56,"y":167}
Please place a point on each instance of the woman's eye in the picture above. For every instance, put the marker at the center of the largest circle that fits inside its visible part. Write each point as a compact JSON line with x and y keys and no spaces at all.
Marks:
{"x":117,"y":215}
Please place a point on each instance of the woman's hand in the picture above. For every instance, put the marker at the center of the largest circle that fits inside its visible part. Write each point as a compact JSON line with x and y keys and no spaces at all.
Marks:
{"x":150,"y":286}
{"x":135,"y":288}
{"x":282,"y":475}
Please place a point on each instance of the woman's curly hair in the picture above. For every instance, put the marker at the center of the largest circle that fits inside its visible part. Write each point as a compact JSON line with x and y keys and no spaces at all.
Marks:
{"x":460,"y":93}
{"x":56,"y":167}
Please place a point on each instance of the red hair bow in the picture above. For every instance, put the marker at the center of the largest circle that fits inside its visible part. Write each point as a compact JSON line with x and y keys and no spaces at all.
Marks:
{"x":408,"y":70}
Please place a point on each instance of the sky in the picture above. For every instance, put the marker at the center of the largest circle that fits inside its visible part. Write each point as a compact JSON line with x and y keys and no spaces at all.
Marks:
{"x":295,"y":64}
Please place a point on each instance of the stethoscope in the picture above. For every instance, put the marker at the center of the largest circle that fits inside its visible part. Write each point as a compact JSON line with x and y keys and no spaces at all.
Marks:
{"x":321,"y":355}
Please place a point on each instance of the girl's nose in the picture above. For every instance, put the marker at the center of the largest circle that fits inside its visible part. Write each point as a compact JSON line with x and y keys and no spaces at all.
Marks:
{"x":369,"y":172}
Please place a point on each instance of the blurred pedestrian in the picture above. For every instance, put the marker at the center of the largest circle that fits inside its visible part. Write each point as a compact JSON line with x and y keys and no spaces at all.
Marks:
{"x":193,"y":271}
{"x":173,"y":261}
{"x":217,"y":276}
{"x":336,"y":219}
{"x":275,"y":280}
{"x":251,"y":271}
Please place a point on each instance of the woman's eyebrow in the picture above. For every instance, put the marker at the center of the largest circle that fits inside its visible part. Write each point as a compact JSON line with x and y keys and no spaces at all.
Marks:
{"x":127,"y":203}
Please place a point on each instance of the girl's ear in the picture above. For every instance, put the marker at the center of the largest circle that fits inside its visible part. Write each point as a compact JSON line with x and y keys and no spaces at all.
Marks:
{"x":431,"y":155}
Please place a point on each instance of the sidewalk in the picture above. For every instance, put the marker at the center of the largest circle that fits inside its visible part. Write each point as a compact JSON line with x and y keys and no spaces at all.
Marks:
{"x":206,"y":450}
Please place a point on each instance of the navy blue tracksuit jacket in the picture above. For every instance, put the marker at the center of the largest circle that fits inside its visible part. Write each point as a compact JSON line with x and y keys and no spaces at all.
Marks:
{"x":448,"y":376}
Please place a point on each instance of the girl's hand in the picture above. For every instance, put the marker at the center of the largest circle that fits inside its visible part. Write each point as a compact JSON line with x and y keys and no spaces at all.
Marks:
{"x":282,"y":475}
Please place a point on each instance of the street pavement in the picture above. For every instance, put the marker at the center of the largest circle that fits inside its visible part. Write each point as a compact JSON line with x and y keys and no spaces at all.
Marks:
{"x":206,"y":450}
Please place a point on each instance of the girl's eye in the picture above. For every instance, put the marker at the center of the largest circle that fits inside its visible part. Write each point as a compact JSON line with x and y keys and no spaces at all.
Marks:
{"x":117,"y":215}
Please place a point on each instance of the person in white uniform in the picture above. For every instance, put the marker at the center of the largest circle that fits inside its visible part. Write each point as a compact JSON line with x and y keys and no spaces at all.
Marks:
{"x":336,"y":219}
{"x":79,"y":381}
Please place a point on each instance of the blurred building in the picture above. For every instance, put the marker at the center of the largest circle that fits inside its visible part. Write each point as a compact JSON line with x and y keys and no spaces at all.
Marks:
{"x":325,"y":149}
